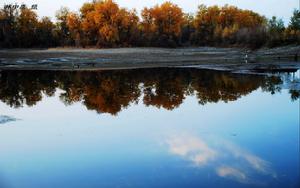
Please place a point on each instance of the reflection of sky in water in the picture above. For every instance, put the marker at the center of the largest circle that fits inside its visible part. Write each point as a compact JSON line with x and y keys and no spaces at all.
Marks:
{"x":228,"y":160}
{"x":251,"y":142}
{"x":6,"y":119}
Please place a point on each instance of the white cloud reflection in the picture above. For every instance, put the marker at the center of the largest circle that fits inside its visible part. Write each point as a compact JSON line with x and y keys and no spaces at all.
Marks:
{"x":192,"y":148}
{"x":227,"y":159}
{"x":255,"y":162}
{"x":232,"y":173}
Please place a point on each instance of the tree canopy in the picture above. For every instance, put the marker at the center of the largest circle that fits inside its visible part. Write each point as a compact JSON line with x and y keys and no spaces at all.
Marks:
{"x":103,"y":23}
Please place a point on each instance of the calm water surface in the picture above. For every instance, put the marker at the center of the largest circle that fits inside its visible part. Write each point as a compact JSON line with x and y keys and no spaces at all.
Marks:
{"x":148,"y":128}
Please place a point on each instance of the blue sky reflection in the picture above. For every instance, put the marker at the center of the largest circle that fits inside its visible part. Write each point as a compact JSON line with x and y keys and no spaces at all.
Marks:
{"x":228,"y":159}
{"x":249,"y":142}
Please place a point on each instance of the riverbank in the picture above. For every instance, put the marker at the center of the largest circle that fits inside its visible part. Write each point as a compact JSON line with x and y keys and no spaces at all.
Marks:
{"x":232,"y":59}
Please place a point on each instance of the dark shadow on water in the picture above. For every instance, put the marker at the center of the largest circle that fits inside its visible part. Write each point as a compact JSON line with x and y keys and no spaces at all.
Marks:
{"x":114,"y":90}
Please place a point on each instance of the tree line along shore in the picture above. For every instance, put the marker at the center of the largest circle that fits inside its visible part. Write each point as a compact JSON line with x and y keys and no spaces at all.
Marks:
{"x":103,"y":23}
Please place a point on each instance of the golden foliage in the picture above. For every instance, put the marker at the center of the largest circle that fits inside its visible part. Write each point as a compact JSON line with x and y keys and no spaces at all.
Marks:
{"x":109,"y":21}
{"x":103,"y":23}
{"x":166,"y":19}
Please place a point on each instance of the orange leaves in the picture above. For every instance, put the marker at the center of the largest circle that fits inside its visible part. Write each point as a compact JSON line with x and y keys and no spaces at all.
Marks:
{"x":27,"y":19}
{"x":106,"y":12}
{"x":108,"y":20}
{"x":103,"y":23}
{"x":73,"y":21}
{"x":109,"y":33}
{"x":166,"y":19}
{"x":222,"y":24}
{"x":148,"y":21}
{"x":88,"y":22}
{"x":74,"y":26}
{"x":227,"y":16}
{"x":26,"y":26}
{"x":86,"y":8}
{"x":127,"y":18}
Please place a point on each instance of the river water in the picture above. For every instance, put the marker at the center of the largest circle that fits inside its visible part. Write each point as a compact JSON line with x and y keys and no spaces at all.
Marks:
{"x":167,"y":127}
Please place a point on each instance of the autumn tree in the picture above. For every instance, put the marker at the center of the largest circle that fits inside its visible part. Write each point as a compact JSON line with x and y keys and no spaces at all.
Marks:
{"x":103,"y":23}
{"x":8,"y":21}
{"x":163,"y":23}
{"x":215,"y":25}
{"x":105,"y":17}
{"x":108,"y":24}
{"x":205,"y":23}
{"x":148,"y":27}
{"x":44,"y":32}
{"x":74,"y":27}
{"x":187,"y":29}
{"x":21,"y":28}
{"x":26,"y":28}
{"x":128,"y":27}
{"x":87,"y":12}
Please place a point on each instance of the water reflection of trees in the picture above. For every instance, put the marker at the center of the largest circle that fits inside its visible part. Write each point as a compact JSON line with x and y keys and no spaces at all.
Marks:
{"x":112,"y":91}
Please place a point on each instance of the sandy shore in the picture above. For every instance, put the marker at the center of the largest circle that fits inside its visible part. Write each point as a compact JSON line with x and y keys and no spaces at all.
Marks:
{"x":234,"y":59}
